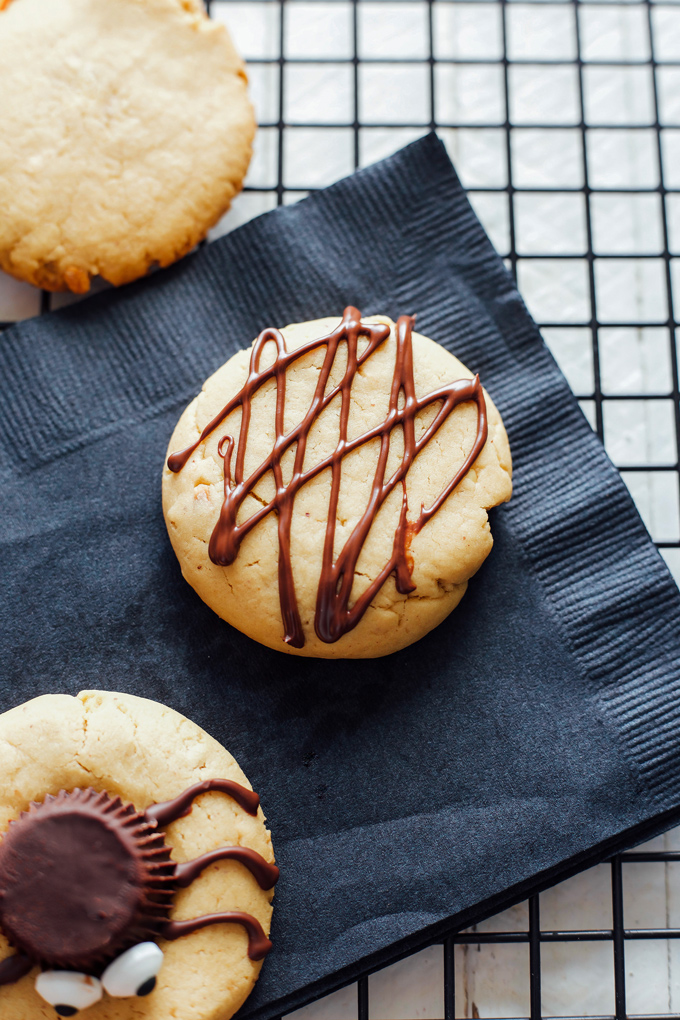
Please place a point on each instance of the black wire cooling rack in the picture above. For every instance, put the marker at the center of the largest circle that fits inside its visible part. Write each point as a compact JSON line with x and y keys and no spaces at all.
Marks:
{"x":611,"y":134}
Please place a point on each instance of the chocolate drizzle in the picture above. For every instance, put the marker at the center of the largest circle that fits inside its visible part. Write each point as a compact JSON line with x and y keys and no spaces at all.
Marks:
{"x":334,"y":616}
{"x":266,"y":875}
{"x":13,"y":968}
{"x":258,"y":943}
{"x":171,"y":810}
{"x":84,"y":876}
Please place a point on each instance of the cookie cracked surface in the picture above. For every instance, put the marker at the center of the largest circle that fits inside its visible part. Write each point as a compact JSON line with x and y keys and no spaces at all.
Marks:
{"x":445,"y":553}
{"x":125,"y":133}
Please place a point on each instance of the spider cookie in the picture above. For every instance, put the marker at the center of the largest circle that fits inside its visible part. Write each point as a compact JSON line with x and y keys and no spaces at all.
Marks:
{"x":136,"y":871}
{"x":327,"y":491}
{"x":125,"y":133}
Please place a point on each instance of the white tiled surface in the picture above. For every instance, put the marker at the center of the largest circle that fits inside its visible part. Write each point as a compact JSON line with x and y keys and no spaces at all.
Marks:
{"x":543,"y":95}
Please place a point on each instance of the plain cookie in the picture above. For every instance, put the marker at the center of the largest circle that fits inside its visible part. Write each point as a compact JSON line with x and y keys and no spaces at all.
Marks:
{"x":436,"y":557}
{"x":125,"y":133}
{"x":146,"y":753}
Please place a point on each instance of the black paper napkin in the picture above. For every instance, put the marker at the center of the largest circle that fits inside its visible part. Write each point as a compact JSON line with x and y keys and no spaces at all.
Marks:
{"x":533,"y":732}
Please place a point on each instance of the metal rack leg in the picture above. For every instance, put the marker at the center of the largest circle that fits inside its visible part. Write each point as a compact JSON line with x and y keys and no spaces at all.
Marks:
{"x":449,"y":980}
{"x":619,"y":958}
{"x":362,"y":999}
{"x":535,"y":958}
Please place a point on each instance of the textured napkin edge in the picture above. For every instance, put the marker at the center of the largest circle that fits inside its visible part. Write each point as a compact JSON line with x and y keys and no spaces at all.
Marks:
{"x":440,"y":930}
{"x":584,"y":538}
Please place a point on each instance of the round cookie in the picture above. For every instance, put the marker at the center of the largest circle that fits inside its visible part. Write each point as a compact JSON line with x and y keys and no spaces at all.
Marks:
{"x":146,"y":754}
{"x":127,"y":135}
{"x":235,"y":567}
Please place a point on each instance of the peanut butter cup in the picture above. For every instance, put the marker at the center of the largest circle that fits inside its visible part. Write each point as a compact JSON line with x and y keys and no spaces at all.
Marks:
{"x":82,"y":875}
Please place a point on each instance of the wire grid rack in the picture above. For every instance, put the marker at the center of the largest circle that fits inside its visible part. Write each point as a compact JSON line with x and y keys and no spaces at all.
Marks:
{"x":563,"y":120}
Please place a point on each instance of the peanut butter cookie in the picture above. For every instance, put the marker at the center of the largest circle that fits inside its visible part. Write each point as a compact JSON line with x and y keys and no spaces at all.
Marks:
{"x":136,"y":870}
{"x":327,"y":491}
{"x":125,"y":132}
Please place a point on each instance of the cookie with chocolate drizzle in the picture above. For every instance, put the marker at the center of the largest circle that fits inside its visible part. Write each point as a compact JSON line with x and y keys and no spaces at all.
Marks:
{"x":327,"y":492}
{"x":90,"y":886}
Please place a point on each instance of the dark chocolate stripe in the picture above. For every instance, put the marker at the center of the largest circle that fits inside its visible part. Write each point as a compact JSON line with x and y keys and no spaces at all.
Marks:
{"x":266,"y":874}
{"x":171,"y":810}
{"x":258,"y":943}
{"x":13,"y":968}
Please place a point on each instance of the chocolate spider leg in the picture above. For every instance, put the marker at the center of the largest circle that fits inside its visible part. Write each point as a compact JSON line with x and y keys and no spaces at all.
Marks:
{"x":13,"y":968}
{"x":264,"y":873}
{"x":258,"y":943}
{"x":171,"y":810}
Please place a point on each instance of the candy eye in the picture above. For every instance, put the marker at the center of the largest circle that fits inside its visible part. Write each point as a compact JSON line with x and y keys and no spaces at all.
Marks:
{"x":68,"y":991}
{"x":134,"y":972}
